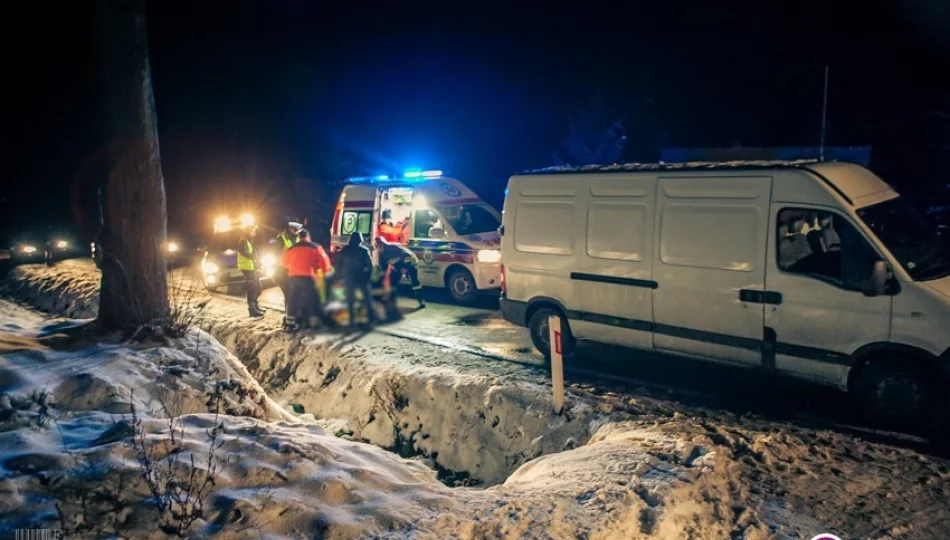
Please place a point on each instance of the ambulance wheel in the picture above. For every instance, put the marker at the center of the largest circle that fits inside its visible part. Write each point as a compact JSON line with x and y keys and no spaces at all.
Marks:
{"x":461,"y":286}
{"x":541,"y":332}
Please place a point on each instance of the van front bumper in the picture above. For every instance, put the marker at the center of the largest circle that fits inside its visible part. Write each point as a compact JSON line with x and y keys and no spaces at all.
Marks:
{"x":514,"y":311}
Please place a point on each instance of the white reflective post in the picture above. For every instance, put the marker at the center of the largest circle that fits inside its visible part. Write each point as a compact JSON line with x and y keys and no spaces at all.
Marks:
{"x":557,"y":363}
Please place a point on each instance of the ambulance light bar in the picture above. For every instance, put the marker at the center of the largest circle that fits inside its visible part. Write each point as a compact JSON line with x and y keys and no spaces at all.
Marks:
{"x":414,"y":175}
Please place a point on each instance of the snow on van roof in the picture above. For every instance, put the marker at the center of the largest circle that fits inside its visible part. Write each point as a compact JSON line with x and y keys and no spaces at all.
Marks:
{"x":685,"y":166}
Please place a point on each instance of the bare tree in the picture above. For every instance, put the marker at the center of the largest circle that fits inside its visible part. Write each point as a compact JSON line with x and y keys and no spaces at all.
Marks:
{"x":134,"y":288}
{"x":595,"y":135}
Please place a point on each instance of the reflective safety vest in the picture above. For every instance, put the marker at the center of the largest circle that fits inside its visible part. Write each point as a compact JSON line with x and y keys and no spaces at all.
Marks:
{"x":285,"y":240}
{"x":243,"y":262}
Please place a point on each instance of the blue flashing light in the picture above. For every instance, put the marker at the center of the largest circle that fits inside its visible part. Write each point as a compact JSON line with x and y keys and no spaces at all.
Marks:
{"x":416,"y":173}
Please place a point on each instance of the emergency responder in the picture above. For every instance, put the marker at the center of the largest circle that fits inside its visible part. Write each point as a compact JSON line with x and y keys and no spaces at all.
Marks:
{"x":402,"y":260}
{"x":392,"y":233}
{"x":247,"y":260}
{"x":285,"y":239}
{"x":355,"y":267}
{"x":382,"y":292}
{"x":303,"y":260}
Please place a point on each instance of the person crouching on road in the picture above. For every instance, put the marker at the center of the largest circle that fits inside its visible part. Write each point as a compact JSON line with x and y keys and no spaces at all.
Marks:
{"x":402,"y":260}
{"x":286,"y":240}
{"x":248,"y":260}
{"x":355,"y":267}
{"x":302,"y":262}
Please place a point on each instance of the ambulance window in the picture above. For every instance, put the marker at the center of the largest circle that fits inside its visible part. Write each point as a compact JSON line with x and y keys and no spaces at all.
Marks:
{"x":425,"y":220}
{"x":356,"y":222}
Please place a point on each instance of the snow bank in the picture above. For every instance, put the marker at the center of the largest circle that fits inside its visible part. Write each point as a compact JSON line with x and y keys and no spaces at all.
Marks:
{"x":73,"y":456}
{"x":473,"y":427}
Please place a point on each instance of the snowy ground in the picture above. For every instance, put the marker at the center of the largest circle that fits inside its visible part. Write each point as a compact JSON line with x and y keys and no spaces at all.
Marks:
{"x":627,"y":461}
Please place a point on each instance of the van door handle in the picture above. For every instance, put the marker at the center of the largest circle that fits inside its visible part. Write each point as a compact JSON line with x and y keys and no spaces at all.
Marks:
{"x":760,"y":297}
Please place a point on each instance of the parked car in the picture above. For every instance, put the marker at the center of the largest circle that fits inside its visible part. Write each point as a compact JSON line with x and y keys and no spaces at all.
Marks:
{"x":814,"y":270}
{"x":219,"y":265}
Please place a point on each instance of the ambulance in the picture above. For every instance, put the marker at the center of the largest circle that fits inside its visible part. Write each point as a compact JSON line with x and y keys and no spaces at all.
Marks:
{"x":451,"y":230}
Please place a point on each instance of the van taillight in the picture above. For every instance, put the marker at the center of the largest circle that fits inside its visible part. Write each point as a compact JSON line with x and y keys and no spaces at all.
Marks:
{"x":502,"y":279}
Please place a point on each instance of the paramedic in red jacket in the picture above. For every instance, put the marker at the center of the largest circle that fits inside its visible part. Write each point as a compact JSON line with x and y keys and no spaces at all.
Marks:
{"x":302,"y":262}
{"x":395,"y":234}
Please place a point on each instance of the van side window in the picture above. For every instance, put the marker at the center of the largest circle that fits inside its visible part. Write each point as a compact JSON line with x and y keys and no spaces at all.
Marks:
{"x":824,"y":246}
{"x":353,"y":221}
{"x":424,"y":221}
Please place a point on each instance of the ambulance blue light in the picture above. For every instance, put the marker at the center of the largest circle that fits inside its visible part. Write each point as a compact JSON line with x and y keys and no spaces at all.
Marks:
{"x":416,"y":173}
{"x":382,"y":177}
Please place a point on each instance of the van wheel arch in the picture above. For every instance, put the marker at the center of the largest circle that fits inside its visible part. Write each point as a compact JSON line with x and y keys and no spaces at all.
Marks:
{"x":554,"y":307}
{"x":882,"y":351}
{"x":880,"y":370}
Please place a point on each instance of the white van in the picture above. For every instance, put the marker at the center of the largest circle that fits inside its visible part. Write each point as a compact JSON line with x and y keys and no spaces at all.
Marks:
{"x":816,"y":270}
{"x":452,"y":231}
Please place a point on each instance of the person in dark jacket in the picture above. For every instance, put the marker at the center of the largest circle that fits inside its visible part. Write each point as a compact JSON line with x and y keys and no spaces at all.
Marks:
{"x":355,"y":267}
{"x":402,"y":260}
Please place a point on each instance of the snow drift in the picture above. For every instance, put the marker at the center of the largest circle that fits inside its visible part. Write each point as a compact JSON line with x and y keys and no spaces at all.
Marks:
{"x":618,"y":465}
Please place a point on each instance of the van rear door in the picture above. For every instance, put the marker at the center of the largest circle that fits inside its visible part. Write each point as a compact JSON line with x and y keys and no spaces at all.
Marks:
{"x":710,"y":266}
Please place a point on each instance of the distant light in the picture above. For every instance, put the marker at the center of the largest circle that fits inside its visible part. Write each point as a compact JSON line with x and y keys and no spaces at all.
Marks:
{"x":222,"y":224}
{"x":506,"y":192}
{"x":172,"y":247}
{"x":62,"y":244}
{"x":28,"y":249}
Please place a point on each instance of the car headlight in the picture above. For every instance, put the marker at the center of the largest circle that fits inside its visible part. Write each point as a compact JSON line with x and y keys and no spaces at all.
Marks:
{"x":28,"y":249}
{"x":172,"y":247}
{"x":209,"y":267}
{"x":489,"y":255}
{"x":269,"y":261}
{"x":62,"y":244}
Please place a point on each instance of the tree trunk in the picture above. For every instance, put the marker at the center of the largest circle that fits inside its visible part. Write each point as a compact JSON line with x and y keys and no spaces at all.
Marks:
{"x":134,"y":288}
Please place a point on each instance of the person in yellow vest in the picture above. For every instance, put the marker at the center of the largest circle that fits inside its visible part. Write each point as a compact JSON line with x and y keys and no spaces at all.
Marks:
{"x":247,"y":260}
{"x":286,"y":240}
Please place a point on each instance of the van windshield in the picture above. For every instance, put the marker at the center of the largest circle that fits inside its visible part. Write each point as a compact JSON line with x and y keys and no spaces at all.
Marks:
{"x":900,"y":228}
{"x":470,"y":218}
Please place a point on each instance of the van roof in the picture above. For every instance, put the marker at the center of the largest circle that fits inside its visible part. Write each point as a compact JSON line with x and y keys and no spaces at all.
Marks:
{"x":857,"y":185}
{"x":687,"y":166}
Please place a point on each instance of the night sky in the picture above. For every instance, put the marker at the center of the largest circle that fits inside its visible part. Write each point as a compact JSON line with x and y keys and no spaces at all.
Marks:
{"x":262,"y":104}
